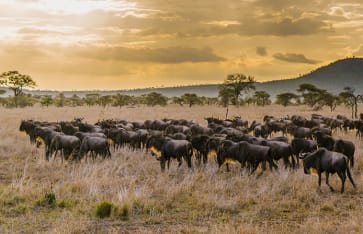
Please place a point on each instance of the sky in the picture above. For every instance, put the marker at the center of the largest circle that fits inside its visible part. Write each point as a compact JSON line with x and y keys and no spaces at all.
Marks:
{"x":126,"y":44}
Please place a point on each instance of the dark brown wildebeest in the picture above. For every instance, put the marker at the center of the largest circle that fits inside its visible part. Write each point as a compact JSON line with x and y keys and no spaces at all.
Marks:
{"x":68,"y":145}
{"x":325,"y":141}
{"x":166,"y":148}
{"x":282,"y":150}
{"x":329,"y":162}
{"x":244,"y":152}
{"x":347,"y":148}
{"x":95,"y":145}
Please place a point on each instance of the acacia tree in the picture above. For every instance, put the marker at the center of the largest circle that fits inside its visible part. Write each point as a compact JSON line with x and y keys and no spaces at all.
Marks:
{"x":121,"y":100}
{"x":190,"y":98}
{"x":75,"y":100}
{"x":46,"y":100}
{"x":60,"y":100}
{"x":16,"y":82}
{"x":310,"y":94}
{"x":177,"y":100}
{"x":104,"y":100}
{"x":236,"y":84}
{"x":350,"y":99}
{"x":285,"y":99}
{"x":91,"y":99}
{"x":262,"y":98}
{"x":154,"y":98}
{"x":328,"y":99}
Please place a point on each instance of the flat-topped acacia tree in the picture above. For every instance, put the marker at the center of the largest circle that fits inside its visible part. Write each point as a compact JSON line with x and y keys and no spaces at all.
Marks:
{"x":234,"y":85}
{"x":16,"y":82}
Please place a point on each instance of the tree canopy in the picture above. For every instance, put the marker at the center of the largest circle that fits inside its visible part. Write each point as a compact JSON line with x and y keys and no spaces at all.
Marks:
{"x":234,"y":85}
{"x":16,"y":81}
{"x":285,"y":99}
{"x":351,"y":99}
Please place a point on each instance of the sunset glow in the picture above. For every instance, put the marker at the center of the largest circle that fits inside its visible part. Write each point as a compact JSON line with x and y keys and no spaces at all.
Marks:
{"x":113,"y":44}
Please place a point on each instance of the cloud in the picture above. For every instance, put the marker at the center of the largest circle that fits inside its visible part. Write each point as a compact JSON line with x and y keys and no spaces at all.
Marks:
{"x":167,"y":55}
{"x":294,"y":58}
{"x":245,"y":27}
{"x":260,"y":50}
{"x":359,"y":51}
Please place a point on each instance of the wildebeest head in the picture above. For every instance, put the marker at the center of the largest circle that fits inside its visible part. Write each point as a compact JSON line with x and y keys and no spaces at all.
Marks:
{"x":154,"y":144}
{"x":312,"y":160}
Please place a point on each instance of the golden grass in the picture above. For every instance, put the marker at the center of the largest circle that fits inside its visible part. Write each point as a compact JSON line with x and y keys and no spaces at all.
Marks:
{"x":177,"y":201}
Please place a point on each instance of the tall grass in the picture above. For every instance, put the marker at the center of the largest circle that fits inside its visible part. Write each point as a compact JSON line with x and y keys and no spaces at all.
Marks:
{"x":179,"y":200}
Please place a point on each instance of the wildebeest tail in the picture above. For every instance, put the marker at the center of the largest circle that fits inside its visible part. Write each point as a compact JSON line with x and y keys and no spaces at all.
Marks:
{"x":352,"y":161}
{"x":350,"y":175}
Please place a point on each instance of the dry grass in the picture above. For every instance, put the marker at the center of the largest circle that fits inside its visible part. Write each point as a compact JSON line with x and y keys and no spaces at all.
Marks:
{"x":178,"y":201}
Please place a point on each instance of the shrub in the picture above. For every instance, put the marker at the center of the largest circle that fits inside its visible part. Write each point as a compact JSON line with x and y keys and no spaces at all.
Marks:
{"x":48,"y":200}
{"x":124,"y":213}
{"x":104,"y":209}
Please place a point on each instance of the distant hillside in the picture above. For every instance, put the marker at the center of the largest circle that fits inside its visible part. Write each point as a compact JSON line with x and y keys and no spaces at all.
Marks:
{"x":333,"y":77}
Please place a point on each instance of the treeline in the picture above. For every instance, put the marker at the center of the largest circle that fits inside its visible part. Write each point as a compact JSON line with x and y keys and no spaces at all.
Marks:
{"x":235,"y":90}
{"x":95,"y":99}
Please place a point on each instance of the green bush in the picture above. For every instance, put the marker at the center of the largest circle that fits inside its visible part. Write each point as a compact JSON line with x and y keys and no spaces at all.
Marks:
{"x":124,"y":213}
{"x":21,"y":209}
{"x":48,"y":200}
{"x":104,"y":209}
{"x":64,"y":204}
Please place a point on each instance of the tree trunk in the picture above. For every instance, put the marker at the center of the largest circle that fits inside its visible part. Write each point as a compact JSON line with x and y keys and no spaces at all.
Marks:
{"x":227,"y":112}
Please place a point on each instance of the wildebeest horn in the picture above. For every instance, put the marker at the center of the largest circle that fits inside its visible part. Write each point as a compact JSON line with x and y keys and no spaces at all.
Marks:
{"x":302,"y":155}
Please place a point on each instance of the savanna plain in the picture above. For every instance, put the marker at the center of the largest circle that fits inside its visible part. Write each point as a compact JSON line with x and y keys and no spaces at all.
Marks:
{"x":145,"y":200}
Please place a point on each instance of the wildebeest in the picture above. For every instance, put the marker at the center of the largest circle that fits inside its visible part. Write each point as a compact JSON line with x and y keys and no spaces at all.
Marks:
{"x":28,"y":127}
{"x":329,"y":162}
{"x":177,"y":149}
{"x":68,"y":145}
{"x":95,"y":145}
{"x":46,"y":134}
{"x":302,"y":145}
{"x":300,"y":132}
{"x":345,"y":147}
{"x":244,"y":152}
{"x":199,"y":143}
{"x":325,"y":141}
{"x":281,"y":150}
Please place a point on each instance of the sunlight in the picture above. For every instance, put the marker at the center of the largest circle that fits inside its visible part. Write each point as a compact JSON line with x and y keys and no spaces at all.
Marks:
{"x":79,"y":6}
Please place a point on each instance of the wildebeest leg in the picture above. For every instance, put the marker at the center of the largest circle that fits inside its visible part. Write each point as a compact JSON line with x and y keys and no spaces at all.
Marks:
{"x":198,"y":156}
{"x":271,"y":162}
{"x":205,"y":158}
{"x":253,"y":169}
{"x":264,"y":166}
{"x":319,"y":180}
{"x":286,"y":162}
{"x":350,"y":177}
{"x":297,"y":161}
{"x":169,"y":163}
{"x":47,"y":154}
{"x":293,"y":161}
{"x":189,"y":161}
{"x":342,"y":176}
{"x":327,"y":181}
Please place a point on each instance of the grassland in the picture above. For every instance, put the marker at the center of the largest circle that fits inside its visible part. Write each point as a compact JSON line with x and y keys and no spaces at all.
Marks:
{"x":177,"y":201}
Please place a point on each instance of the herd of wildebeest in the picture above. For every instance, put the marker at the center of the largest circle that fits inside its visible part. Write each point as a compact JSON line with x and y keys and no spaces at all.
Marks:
{"x":229,"y":140}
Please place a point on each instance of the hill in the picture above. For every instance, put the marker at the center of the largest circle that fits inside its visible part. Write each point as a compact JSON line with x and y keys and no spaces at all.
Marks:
{"x":333,"y":77}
